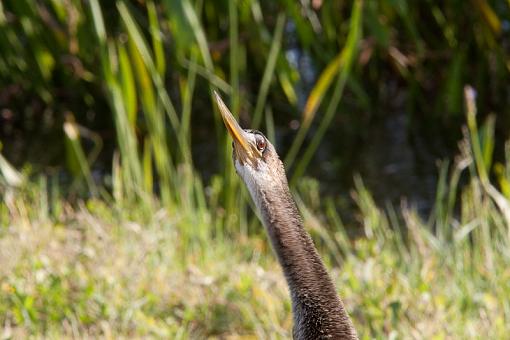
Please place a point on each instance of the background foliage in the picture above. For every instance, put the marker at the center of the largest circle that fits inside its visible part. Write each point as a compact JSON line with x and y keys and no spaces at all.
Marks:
{"x":106,"y":111}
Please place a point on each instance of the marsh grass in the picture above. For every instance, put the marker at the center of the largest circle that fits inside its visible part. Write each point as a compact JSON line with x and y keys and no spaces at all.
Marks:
{"x":161,"y":254}
{"x":111,"y":269}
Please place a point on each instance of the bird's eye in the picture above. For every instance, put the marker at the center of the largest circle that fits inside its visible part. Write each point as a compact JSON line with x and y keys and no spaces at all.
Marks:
{"x":261,"y":143}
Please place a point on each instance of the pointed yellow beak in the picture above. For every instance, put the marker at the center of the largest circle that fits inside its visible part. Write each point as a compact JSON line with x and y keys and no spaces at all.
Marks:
{"x":238,"y":134}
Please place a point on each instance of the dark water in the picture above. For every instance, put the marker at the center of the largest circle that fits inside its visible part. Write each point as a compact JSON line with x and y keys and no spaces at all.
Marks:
{"x":393,"y":167}
{"x":392,"y":159}
{"x":388,"y":153}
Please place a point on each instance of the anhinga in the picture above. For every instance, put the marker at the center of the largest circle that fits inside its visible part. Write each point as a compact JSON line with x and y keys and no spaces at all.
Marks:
{"x":318,"y":311}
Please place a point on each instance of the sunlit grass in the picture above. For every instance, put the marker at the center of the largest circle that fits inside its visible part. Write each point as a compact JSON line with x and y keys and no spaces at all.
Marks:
{"x":112,"y":268}
{"x":161,"y":254}
{"x":100,"y":269}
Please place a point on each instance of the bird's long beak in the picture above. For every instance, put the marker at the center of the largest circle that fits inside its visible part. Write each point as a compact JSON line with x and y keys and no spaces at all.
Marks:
{"x":238,"y":134}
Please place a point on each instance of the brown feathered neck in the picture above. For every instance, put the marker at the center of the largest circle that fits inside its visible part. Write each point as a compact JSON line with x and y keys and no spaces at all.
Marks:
{"x":318,"y":311}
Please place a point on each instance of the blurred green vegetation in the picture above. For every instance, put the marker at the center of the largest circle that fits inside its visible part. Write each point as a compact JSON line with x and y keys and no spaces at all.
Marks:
{"x":277,"y":61}
{"x":115,"y":268}
{"x":130,"y":240}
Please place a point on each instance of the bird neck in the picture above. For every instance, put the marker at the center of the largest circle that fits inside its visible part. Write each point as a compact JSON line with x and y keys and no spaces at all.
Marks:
{"x":318,"y":310}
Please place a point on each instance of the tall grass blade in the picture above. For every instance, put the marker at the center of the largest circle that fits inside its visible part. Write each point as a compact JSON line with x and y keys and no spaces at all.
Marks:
{"x":75,"y":149}
{"x":128,"y":85}
{"x":139,"y":42}
{"x":187,"y":91}
{"x":9,"y":174}
{"x":199,"y":33}
{"x":349,"y":54}
{"x":157,"y":41}
{"x":97,"y":18}
{"x":470,"y":99}
{"x":209,"y":75}
{"x":490,"y":17}
{"x":344,"y":60}
{"x":268,"y":71}
{"x":270,"y":129}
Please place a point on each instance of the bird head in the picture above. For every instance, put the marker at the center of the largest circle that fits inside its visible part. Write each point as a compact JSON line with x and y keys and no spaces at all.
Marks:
{"x":255,"y":158}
